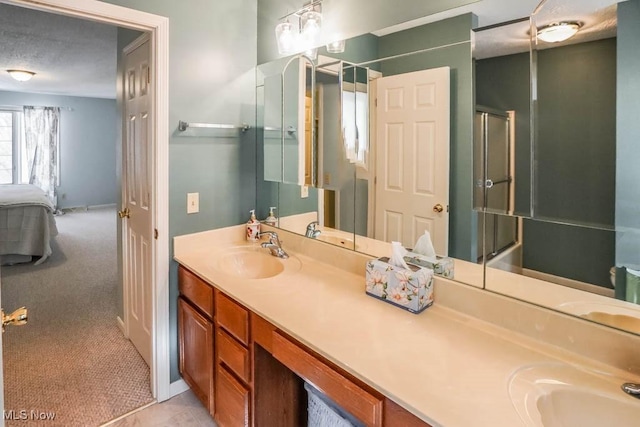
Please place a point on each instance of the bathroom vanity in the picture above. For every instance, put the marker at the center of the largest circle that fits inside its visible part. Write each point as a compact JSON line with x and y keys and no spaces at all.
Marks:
{"x":249,"y":372}
{"x":253,"y":328}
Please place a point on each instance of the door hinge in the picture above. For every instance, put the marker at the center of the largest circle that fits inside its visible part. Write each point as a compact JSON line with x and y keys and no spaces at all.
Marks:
{"x":155,"y":233}
{"x":148,"y":74}
{"x":376,"y":102}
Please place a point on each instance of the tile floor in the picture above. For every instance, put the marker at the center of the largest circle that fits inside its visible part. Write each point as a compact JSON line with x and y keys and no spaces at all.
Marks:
{"x":182,"y":410}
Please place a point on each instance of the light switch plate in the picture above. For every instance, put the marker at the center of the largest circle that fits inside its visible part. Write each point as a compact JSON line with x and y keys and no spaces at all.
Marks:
{"x":193,"y":203}
{"x":304,"y":192}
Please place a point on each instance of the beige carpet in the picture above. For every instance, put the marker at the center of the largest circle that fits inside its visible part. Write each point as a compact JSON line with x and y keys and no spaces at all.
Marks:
{"x":71,"y":358}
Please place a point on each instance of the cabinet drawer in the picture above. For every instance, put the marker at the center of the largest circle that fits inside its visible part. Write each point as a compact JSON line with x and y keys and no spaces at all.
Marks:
{"x":196,"y":290}
{"x":232,"y":400}
{"x":233,"y":354}
{"x":232,"y":317}
{"x":356,"y":400}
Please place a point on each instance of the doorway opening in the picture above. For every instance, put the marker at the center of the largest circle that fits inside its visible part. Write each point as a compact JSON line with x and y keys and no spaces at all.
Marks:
{"x":157,"y":27}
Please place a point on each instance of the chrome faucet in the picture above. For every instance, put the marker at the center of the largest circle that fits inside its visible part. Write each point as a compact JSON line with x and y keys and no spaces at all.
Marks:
{"x":632,"y":389}
{"x":274,"y":245}
{"x":312,"y":230}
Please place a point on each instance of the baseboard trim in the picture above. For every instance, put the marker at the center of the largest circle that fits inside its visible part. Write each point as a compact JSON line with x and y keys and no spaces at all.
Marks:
{"x":108,"y":205}
{"x":84,"y":208}
{"x":121,"y":325}
{"x":178,"y":387}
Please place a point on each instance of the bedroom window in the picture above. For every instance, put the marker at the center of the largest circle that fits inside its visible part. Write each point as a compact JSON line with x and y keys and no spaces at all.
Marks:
{"x":11,"y":146}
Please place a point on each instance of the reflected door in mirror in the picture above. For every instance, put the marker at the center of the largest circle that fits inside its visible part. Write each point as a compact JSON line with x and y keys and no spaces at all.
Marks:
{"x":412,"y":158}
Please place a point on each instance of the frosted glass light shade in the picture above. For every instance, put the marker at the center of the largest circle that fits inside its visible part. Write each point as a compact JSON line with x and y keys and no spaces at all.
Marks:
{"x":21,"y":75}
{"x":310,"y":24}
{"x":285,"y":38}
{"x":336,"y":47}
{"x":558,"y":32}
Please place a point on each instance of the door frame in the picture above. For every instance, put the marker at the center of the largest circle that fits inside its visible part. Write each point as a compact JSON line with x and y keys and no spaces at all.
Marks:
{"x":158,"y":29}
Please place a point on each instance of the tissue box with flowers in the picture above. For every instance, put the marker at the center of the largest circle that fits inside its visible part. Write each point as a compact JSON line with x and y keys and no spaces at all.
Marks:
{"x":411,"y":289}
{"x":441,"y":266}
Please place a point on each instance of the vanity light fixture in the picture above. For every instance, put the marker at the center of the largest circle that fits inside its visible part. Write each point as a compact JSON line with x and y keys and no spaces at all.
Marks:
{"x":286,"y":38}
{"x":21,"y":75}
{"x":558,"y":31}
{"x":336,"y":47}
{"x":305,"y":37}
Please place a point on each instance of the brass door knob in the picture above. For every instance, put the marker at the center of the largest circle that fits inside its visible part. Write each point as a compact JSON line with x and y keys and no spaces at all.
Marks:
{"x":126,"y":213}
{"x":438,"y":208}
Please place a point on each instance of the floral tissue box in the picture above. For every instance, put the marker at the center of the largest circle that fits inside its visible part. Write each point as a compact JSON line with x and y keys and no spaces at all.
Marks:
{"x":410,"y":289}
{"x":442,"y":266}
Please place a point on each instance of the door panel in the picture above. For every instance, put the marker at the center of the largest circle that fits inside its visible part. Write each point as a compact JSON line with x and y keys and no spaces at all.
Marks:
{"x":412,"y":161}
{"x":138,"y":198}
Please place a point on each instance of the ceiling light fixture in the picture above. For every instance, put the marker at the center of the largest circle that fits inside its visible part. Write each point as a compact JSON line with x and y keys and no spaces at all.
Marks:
{"x":308,"y":32}
{"x":558,"y":31}
{"x":21,"y":75}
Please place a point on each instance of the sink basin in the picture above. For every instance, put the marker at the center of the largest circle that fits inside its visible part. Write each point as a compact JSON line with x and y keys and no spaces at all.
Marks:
{"x":557,"y":394}
{"x":620,"y":321}
{"x":254,"y":263}
{"x":621,"y":314}
{"x":575,"y":407}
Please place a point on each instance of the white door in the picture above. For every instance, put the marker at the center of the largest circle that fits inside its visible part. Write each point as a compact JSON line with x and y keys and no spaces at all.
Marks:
{"x":137,"y":198}
{"x":412,"y":158}
{"x":1,"y":378}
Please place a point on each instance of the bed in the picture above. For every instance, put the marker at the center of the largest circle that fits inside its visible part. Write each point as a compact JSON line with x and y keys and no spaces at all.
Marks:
{"x":27,"y":224}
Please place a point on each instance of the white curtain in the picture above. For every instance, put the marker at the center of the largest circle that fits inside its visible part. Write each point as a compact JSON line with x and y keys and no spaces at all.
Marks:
{"x":41,"y":143}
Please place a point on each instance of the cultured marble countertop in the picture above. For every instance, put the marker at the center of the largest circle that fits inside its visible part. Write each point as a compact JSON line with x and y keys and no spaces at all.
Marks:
{"x":447,"y":368}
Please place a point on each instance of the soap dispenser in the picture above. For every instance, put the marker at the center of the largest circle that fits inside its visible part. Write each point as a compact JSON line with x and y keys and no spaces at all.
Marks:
{"x":253,"y":227}
{"x":271,"y":219}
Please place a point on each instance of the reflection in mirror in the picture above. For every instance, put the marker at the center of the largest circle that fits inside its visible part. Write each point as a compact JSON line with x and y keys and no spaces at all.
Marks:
{"x":297,"y":126}
{"x":398,"y":190}
{"x":271,"y":97}
{"x":584,"y":231}
{"x":336,"y":172}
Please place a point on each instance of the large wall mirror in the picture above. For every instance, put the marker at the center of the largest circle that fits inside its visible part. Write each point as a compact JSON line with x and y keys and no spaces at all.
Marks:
{"x":386,"y":129}
{"x":554,"y":161}
{"x":536,"y":197}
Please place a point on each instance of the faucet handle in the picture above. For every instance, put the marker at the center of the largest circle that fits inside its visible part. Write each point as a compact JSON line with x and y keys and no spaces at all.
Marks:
{"x":273,"y":237}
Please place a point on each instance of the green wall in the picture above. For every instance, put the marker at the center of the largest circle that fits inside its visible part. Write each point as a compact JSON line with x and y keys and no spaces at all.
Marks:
{"x":576,"y":140}
{"x":627,"y":192}
{"x":212,"y":79}
{"x":575,"y":151}
{"x":462,"y":218}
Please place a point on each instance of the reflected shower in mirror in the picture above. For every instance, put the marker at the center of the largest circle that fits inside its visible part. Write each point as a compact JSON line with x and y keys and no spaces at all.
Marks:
{"x":580,"y":228}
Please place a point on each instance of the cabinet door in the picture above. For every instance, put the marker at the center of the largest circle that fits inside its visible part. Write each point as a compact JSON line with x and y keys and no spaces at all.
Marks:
{"x":232,"y":400}
{"x":195,"y":335}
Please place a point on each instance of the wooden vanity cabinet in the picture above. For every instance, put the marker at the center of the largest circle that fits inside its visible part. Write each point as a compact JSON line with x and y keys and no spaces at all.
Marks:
{"x":249,"y":373}
{"x":196,"y":336}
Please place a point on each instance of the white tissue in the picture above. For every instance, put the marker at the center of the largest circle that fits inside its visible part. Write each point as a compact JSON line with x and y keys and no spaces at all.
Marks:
{"x":397,"y":255}
{"x":424,"y":246}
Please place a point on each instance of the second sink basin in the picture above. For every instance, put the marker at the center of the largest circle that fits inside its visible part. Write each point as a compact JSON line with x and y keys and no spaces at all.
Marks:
{"x":576,"y":407}
{"x":254,"y":262}
{"x":558,"y":395}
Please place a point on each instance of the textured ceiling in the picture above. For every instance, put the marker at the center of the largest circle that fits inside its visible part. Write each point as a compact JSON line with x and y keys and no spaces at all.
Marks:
{"x":70,"y":56}
{"x":597,"y":17}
